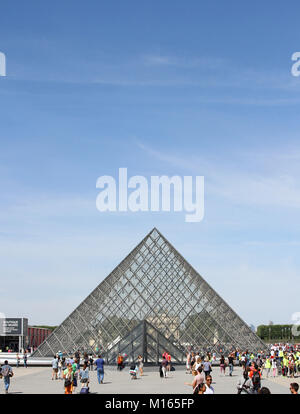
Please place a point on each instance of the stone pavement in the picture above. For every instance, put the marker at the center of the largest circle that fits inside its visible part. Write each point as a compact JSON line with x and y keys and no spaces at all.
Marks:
{"x":37,"y":380}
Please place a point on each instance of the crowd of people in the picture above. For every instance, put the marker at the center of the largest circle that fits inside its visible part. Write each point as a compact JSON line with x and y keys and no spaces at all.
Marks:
{"x":281,"y":359}
{"x":76,"y":368}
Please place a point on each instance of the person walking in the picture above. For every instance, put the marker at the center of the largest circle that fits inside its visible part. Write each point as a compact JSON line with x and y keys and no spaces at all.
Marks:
{"x":84,"y":376}
{"x":230,"y":364}
{"x":164,"y":364}
{"x":285,"y":363}
{"x":100,"y":369}
{"x":244,"y":384}
{"x":120,"y":362}
{"x":207,"y":367}
{"x":6,"y":373}
{"x":268,"y":366}
{"x":274,"y":367}
{"x":291,"y":367}
{"x":68,"y":377}
{"x":77,"y":357}
{"x":192,"y":360}
{"x":222,"y":365}
{"x":255,"y":376}
{"x":168,"y":358}
{"x":75,"y":375}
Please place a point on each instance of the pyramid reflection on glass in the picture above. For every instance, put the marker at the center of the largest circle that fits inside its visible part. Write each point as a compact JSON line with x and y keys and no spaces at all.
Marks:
{"x":151,"y":302}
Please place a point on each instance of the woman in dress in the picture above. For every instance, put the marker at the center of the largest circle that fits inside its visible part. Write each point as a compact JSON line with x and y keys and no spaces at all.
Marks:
{"x":141,"y":365}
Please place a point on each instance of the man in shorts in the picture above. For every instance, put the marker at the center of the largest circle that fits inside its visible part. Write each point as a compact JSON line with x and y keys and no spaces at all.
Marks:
{"x":54,"y":367}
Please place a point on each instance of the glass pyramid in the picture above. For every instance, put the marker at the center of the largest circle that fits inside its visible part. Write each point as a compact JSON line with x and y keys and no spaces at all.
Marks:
{"x":153,"y":301}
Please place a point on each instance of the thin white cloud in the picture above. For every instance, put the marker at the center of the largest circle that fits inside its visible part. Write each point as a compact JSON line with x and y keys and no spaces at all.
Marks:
{"x":239,"y":186}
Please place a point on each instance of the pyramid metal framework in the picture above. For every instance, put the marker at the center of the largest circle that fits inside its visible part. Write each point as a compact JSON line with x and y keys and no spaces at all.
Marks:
{"x":152,"y":301}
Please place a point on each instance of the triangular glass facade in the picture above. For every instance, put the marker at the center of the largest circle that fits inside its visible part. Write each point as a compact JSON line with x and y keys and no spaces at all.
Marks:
{"x":153,"y":301}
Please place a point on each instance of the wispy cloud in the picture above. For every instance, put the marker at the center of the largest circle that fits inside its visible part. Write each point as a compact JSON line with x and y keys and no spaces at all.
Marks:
{"x":200,"y":62}
{"x":241,"y":186}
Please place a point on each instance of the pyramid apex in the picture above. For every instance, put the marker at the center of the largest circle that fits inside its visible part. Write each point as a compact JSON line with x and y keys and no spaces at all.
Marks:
{"x":154,"y":232}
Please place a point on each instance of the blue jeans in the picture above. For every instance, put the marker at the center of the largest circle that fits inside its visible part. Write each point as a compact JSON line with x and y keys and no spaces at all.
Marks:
{"x":100,"y":375}
{"x":230,"y":369}
{"x":6,"y":383}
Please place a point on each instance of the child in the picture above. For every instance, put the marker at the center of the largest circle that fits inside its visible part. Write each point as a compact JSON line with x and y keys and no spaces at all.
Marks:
{"x":133,"y":371}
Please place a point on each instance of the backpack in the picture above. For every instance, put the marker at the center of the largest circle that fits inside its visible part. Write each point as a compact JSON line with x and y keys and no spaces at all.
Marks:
{"x":256,"y":380}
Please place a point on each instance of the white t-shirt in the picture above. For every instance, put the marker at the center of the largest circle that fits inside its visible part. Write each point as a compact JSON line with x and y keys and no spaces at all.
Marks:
{"x":209,"y":390}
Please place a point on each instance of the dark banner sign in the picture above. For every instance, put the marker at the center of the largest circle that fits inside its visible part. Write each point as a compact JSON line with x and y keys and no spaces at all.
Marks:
{"x":11,"y":326}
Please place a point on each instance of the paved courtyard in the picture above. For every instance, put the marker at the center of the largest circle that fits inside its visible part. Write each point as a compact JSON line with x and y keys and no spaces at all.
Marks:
{"x":37,"y":380}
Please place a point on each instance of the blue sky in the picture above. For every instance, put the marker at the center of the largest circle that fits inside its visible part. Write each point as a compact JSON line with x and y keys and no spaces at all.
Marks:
{"x":173,"y":87}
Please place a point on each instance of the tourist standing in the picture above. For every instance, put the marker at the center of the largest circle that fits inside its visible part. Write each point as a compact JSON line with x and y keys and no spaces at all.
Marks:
{"x":100,"y":369}
{"x":25,"y":359}
{"x":7,"y":373}
{"x":188,"y":363}
{"x":85,"y":359}
{"x":120,"y":362}
{"x":141,"y":365}
{"x":91,"y":363}
{"x":18,"y":361}
{"x":54,"y":367}
{"x":60,"y":367}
